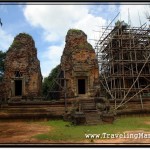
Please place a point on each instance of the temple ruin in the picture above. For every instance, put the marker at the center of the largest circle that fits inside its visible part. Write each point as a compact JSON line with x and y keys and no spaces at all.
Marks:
{"x":92,"y":85}
{"x":79,"y":65}
{"x":22,"y":68}
{"x":124,"y":58}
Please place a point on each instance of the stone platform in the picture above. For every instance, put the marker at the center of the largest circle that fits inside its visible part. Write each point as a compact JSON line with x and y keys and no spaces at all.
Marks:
{"x":40,"y":109}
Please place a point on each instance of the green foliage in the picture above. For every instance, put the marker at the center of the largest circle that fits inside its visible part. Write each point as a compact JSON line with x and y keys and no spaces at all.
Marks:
{"x":25,"y":35}
{"x":76,"y":31}
{"x":121,"y":23}
{"x":2,"y":59}
{"x":16,"y":44}
{"x":117,"y":23}
{"x":146,"y":95}
{"x":86,"y":46}
{"x":64,"y":131}
{"x":49,"y":84}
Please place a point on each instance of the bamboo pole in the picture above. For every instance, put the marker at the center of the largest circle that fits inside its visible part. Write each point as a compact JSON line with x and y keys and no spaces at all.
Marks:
{"x":132,"y":97}
{"x":135,"y":80}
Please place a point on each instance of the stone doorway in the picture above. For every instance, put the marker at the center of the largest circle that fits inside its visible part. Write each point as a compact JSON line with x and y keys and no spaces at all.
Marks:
{"x":18,"y":87}
{"x":81,"y":86}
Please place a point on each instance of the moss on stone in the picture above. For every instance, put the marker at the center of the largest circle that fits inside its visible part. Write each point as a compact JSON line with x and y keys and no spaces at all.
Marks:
{"x":16,"y":44}
{"x":85,"y":46}
{"x":25,"y":35}
{"x":89,"y":46}
{"x":75,"y":31}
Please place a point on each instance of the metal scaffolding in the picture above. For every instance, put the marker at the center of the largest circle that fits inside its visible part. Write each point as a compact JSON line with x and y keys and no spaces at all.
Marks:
{"x":123,"y":54}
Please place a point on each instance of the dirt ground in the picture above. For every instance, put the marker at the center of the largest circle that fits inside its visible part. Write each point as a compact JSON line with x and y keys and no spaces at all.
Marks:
{"x":23,"y":132}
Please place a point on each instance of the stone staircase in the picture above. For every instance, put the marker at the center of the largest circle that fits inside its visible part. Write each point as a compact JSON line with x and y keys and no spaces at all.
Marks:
{"x":92,"y":117}
{"x":91,"y":114}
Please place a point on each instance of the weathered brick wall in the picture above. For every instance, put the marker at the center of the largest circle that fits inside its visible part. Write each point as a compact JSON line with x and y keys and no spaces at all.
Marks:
{"x":79,"y":61}
{"x":22,"y":58}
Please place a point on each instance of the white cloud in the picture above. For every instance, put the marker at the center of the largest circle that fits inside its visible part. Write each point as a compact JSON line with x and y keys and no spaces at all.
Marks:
{"x":51,"y":58}
{"x":56,"y":20}
{"x":53,"y":52}
{"x":90,"y":23}
{"x":5,"y":40}
{"x":133,"y":14}
{"x":52,"y":37}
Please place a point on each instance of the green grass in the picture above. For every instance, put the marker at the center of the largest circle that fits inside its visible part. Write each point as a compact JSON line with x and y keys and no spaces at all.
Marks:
{"x":64,"y":131}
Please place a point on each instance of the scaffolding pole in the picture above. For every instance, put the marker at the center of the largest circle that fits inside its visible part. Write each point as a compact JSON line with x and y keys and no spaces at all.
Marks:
{"x":124,"y":60}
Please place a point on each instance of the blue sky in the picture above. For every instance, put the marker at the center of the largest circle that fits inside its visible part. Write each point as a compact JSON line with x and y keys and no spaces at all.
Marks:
{"x":48,"y":25}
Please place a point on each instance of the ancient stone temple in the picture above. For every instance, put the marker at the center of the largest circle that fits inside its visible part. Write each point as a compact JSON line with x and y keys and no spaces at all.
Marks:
{"x":79,"y":65}
{"x":22,"y":68}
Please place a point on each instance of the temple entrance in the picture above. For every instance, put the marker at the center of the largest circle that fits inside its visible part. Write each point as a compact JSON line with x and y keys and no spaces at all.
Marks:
{"x":18,"y":87}
{"x":81,"y":86}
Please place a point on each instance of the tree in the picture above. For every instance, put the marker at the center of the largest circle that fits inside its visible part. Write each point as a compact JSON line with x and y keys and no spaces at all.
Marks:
{"x":49,"y":84}
{"x":121,"y":23}
{"x":2,"y":59}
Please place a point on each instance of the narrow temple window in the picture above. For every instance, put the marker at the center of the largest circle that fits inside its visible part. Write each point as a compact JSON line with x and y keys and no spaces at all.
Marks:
{"x":18,"y":74}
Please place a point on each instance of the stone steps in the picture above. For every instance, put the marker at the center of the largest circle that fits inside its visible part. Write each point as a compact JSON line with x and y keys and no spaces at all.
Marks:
{"x":91,"y":114}
{"x":93,"y":118}
{"x":88,"y":106}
